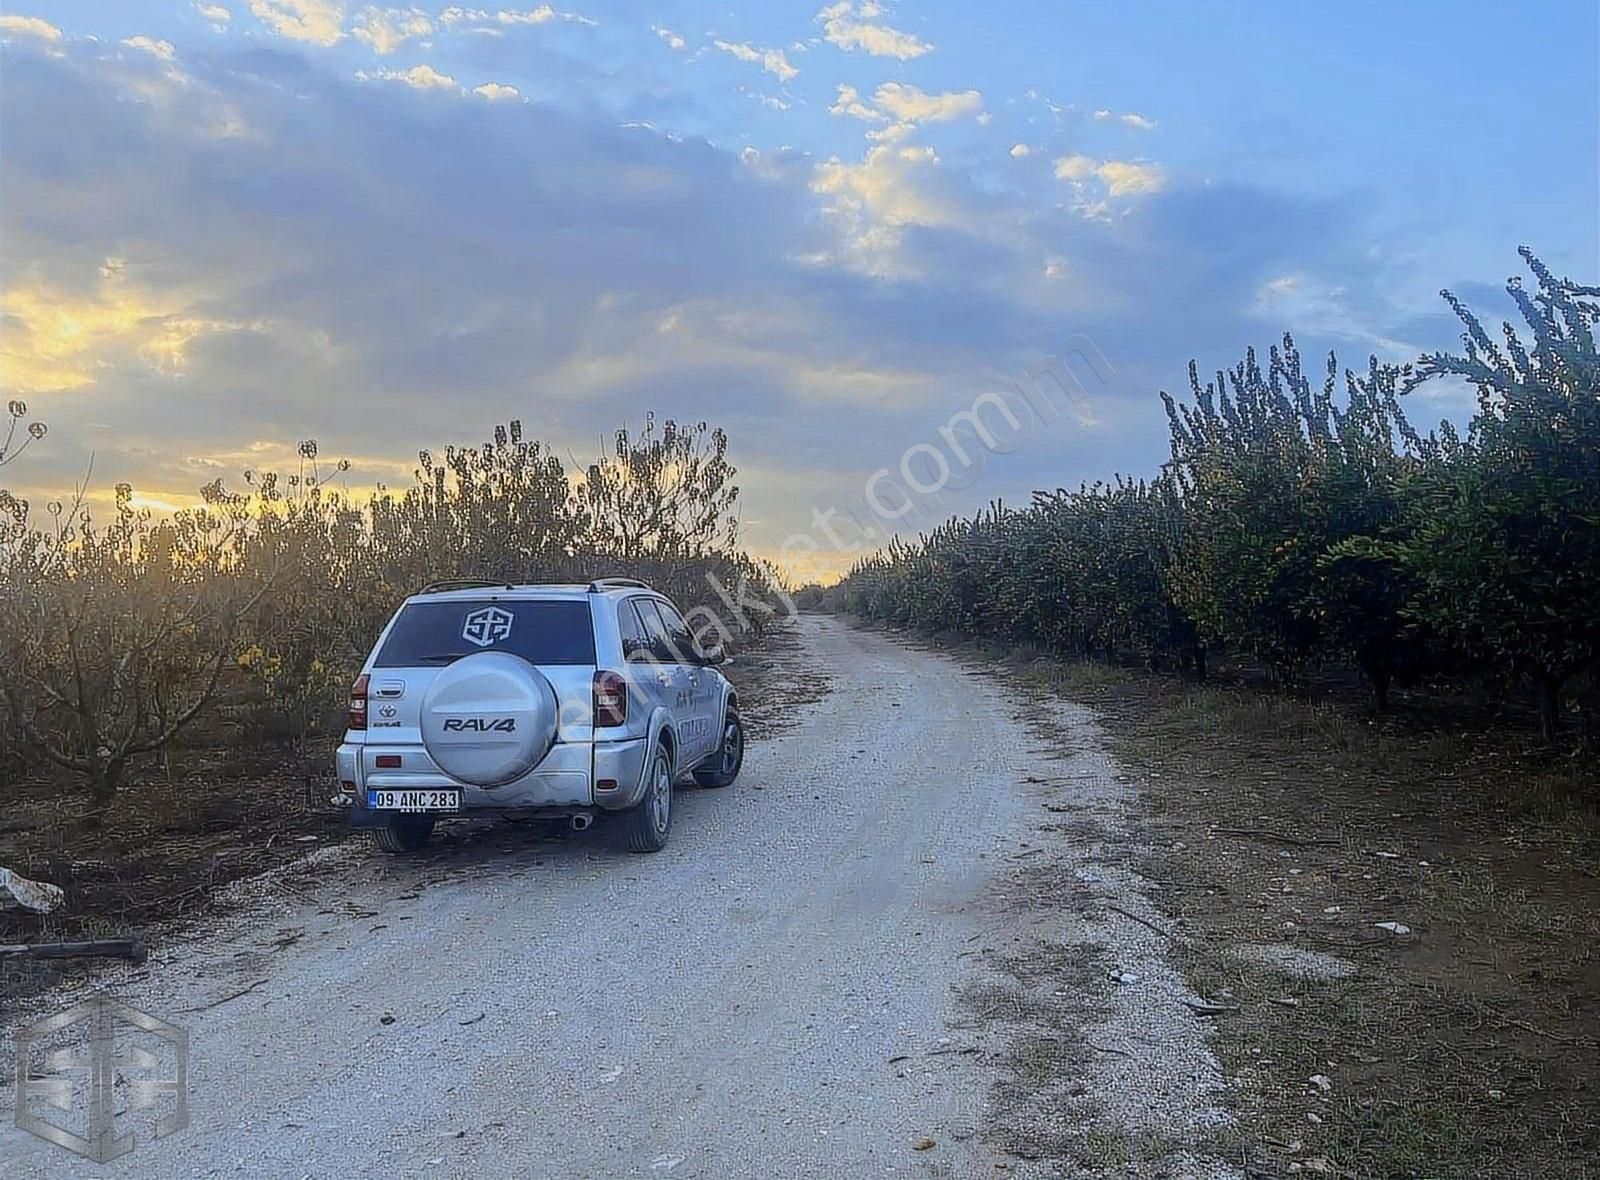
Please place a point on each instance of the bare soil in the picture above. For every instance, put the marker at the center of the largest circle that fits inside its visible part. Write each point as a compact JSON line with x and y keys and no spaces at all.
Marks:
{"x":1281,"y":833}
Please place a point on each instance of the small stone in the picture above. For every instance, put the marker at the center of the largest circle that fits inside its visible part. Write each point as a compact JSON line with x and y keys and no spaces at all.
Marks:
{"x":1313,"y":1118}
{"x":1322,"y":1082}
{"x":923,"y":1144}
{"x":1398,"y":929}
{"x":1334,"y":909}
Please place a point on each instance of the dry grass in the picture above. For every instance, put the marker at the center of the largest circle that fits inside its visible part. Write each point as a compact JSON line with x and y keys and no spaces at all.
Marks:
{"x":1470,"y":1047}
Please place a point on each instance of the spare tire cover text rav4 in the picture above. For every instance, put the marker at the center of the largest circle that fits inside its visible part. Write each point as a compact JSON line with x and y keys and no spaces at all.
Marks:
{"x":489,"y":718}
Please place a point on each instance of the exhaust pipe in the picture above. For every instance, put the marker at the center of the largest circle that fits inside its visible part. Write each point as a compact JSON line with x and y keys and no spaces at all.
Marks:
{"x":581,"y":821}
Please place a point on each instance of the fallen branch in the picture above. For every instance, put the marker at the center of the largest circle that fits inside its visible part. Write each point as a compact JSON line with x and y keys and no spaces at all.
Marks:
{"x":108,"y":948}
{"x":1103,"y":1049}
{"x":1148,"y":925}
{"x":244,"y":991}
{"x":1204,"y":1008}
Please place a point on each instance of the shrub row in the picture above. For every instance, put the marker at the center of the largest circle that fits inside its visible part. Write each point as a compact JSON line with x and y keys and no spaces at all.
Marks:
{"x":118,"y":633}
{"x":1306,"y":523}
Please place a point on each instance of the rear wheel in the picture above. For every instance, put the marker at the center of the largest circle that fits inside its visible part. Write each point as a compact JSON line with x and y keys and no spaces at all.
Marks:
{"x":723,"y":767}
{"x":403,"y":833}
{"x":647,"y":825}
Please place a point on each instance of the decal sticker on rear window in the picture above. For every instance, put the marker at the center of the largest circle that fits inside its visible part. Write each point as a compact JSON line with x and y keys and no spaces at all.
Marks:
{"x":486,"y":626}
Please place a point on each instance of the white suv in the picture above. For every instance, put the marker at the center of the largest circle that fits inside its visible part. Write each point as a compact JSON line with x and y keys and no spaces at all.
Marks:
{"x":552,"y":701}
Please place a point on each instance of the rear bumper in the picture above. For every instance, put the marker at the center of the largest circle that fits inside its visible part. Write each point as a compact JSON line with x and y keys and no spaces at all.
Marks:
{"x":569,"y":779}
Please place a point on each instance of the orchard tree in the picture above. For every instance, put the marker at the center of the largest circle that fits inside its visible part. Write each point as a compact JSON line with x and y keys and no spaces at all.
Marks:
{"x":1507,"y":520}
{"x":1273,"y":472}
{"x":667,"y":493}
{"x":117,"y":634}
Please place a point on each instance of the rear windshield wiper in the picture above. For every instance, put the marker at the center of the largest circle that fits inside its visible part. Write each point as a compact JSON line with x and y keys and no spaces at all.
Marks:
{"x":443,"y":657}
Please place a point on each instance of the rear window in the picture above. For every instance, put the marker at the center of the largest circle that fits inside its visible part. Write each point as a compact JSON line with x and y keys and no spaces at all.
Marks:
{"x":437,"y":633}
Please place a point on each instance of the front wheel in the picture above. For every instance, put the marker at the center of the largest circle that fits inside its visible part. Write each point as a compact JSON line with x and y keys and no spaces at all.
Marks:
{"x":648,"y":824}
{"x":723,"y":767}
{"x":403,"y":833}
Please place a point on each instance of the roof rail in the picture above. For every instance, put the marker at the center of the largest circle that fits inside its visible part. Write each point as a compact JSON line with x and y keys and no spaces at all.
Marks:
{"x":600,"y":584}
{"x":464,"y":584}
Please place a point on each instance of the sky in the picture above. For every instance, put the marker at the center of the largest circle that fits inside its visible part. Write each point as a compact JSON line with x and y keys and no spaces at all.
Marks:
{"x":831,"y":229}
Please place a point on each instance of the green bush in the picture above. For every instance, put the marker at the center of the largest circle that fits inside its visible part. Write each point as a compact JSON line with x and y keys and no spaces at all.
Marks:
{"x":1305,"y":528}
{"x":1506,"y":521}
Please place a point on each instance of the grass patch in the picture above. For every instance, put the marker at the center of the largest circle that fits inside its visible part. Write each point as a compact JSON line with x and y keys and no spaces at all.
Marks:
{"x":1470,"y":1046}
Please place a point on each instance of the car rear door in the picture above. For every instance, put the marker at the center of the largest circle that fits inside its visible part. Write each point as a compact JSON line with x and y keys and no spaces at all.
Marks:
{"x":556,"y":636}
{"x":697,"y":722}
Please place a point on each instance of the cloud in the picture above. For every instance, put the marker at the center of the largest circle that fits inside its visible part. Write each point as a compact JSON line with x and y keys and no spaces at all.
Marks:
{"x":849,"y":27}
{"x":911,"y":105}
{"x":222,"y":293}
{"x":538,"y":16}
{"x":387,"y":29}
{"x":320,"y":22}
{"x":1131,"y":119}
{"x":891,"y":133}
{"x":60,"y":340}
{"x":1075,"y":168}
{"x":28,"y":26}
{"x":904,"y":105}
{"x":1125,"y":179}
{"x":496,"y":92}
{"x":848,"y":103}
{"x":873,"y":203}
{"x":1020,"y":150}
{"x":772,"y":61}
{"x":1122,"y":178}
{"x":216,"y":15}
{"x":672,"y":39}
{"x":423,"y":77}
{"x":159,"y":49}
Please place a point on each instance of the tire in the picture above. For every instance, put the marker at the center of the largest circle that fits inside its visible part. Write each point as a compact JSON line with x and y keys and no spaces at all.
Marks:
{"x":647,"y":825}
{"x":403,"y":833}
{"x":723,"y":767}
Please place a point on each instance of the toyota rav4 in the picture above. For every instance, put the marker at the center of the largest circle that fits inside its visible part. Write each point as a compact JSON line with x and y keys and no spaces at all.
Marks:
{"x":564,"y":702}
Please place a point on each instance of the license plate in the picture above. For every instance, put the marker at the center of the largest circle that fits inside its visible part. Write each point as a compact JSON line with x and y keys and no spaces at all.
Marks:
{"x":414,"y":800}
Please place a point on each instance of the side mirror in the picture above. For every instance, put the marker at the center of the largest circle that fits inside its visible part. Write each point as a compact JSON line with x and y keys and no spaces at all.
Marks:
{"x":711,"y":656}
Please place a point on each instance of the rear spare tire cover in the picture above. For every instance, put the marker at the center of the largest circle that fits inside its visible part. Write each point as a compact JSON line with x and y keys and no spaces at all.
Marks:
{"x":489,"y":718}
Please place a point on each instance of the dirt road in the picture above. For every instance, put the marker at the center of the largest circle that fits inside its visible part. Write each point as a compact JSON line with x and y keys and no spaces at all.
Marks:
{"x":865,"y":945}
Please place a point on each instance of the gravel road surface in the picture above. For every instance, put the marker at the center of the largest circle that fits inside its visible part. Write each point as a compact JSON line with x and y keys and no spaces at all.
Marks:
{"x":778,"y":994}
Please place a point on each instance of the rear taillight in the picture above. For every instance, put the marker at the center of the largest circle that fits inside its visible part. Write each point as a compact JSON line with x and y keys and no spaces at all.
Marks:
{"x":358,"y":703}
{"x":610,"y":699}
